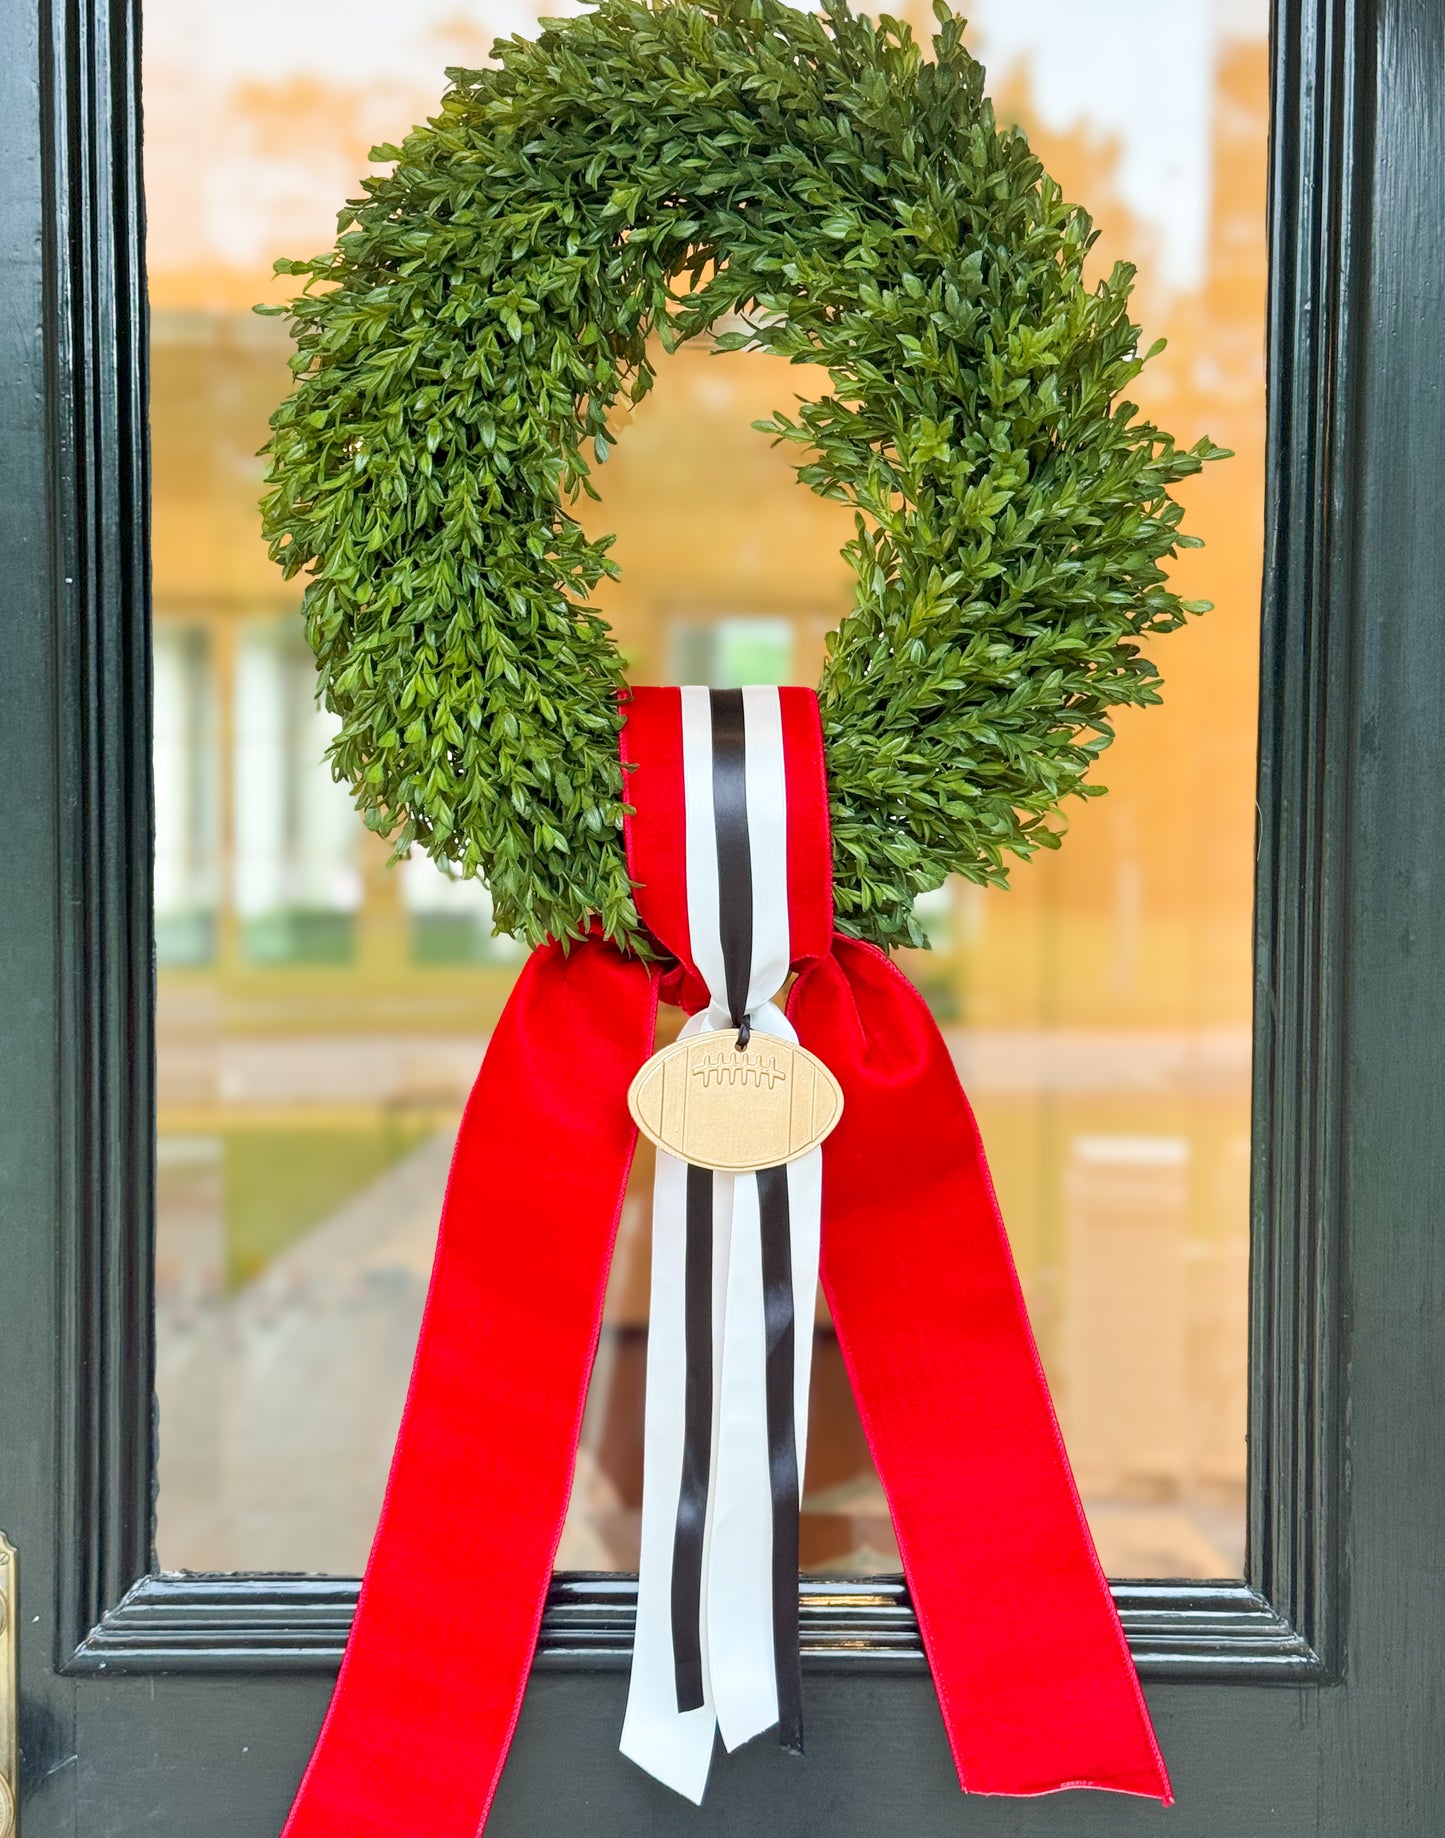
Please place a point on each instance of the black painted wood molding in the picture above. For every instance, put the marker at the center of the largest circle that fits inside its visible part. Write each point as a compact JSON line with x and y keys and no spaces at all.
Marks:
{"x":1319,"y":216}
{"x":268,"y":1624}
{"x":97,"y":378}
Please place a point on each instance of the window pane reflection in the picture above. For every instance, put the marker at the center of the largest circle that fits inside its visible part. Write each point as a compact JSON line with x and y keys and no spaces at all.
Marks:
{"x":321,"y":1018}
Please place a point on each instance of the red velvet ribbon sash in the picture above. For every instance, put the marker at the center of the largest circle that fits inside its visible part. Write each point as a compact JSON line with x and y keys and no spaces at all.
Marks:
{"x":432,"y":1682}
{"x":1031,"y":1667}
{"x":1033,"y":1675}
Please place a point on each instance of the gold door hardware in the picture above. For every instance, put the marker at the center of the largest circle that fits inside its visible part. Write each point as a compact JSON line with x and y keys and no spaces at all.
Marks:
{"x":9,"y":1696}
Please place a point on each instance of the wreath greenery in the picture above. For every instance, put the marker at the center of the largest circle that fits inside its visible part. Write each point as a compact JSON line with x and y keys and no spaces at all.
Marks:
{"x":655,"y":170}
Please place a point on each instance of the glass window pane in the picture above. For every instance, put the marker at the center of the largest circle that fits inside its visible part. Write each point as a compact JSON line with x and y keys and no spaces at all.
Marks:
{"x":321,"y":1017}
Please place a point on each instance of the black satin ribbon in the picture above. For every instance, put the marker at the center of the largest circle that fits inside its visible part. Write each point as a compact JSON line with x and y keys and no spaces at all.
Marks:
{"x":688,"y":1532}
{"x":780,"y":1330}
{"x":735,"y":925}
{"x":734,"y":849}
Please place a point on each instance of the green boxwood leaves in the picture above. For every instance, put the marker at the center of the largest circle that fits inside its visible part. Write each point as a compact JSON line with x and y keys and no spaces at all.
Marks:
{"x":647,"y":170}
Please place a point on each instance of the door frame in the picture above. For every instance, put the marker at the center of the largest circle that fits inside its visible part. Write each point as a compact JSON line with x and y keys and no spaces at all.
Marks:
{"x":77,"y":988}
{"x":118,"y":1612}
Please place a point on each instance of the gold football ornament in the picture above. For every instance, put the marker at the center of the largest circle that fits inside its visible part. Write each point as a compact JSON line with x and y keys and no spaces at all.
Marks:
{"x":735,"y":1108}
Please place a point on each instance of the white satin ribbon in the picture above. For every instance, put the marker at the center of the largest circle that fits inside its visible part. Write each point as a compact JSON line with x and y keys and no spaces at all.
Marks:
{"x":739,"y":1681}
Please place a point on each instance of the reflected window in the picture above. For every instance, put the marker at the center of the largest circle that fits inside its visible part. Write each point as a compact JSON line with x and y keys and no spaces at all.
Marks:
{"x":451,"y":918}
{"x":297,"y":887}
{"x":187,"y":843}
{"x":730,"y":652}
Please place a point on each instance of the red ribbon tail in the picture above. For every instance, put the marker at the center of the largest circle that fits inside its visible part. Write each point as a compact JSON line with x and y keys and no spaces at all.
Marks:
{"x":1034,"y":1677}
{"x":432,"y":1682}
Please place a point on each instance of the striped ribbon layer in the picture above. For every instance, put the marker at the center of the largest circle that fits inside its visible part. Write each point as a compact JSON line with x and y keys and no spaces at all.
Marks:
{"x":734,"y":1274}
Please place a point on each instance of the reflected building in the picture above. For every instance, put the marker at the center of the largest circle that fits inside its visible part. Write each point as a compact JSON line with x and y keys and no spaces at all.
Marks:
{"x":321,"y":1017}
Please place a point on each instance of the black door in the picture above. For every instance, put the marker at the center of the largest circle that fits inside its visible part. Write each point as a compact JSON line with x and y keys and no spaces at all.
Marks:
{"x":1300,"y":1700}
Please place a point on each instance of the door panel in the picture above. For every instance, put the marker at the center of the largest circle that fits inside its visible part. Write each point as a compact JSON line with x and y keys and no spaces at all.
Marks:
{"x":1288,"y":1706}
{"x":877,"y":1763}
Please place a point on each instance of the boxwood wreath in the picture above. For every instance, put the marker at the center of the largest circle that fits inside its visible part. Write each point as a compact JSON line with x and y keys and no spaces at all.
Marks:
{"x":815,"y":187}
